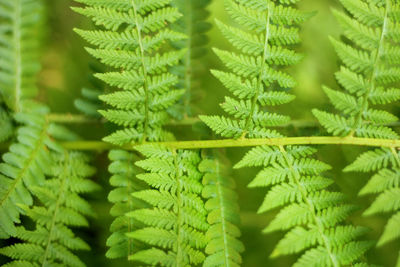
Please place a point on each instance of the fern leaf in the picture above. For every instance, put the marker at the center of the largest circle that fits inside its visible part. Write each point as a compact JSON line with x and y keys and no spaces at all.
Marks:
{"x":265,"y":48}
{"x":391,"y":230}
{"x":313,"y":215}
{"x":61,"y":207}
{"x":20,"y":51}
{"x":123,"y":172}
{"x":371,"y":69}
{"x":367,"y":73}
{"x":372,"y":161}
{"x":351,"y":81}
{"x":191,"y":68}
{"x":247,"y":43}
{"x":381,"y":96}
{"x":223,"y":126}
{"x":368,"y":14}
{"x":110,"y":18}
{"x":364,"y":36}
{"x":387,"y":201}
{"x":354,"y":59}
{"x":89,"y":103}
{"x":135,"y":33}
{"x":381,"y":181}
{"x":342,"y":101}
{"x":333,"y":123}
{"x":223,"y":246}
{"x":24,"y":166}
{"x":181,"y":231}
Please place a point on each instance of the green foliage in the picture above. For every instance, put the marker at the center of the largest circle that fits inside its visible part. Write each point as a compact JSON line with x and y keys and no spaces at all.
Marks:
{"x":131,"y":41}
{"x":60,"y":208}
{"x":386,"y":183}
{"x":175,"y":221}
{"x":257,"y":68}
{"x":223,"y":245}
{"x":313,"y":215}
{"x":38,"y":178}
{"x":370,"y":72}
{"x":178,"y":207}
{"x":6,"y":125}
{"x":24,"y":165}
{"x":20,"y":32}
{"x":191,"y":68}
{"x":89,"y":102}
{"x":123,"y":179}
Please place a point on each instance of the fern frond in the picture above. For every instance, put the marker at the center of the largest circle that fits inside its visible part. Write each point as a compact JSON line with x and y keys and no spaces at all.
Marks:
{"x":333,"y":123}
{"x":308,"y":209}
{"x":123,"y":179}
{"x":223,"y":246}
{"x":385,"y":182}
{"x":367,"y":73}
{"x":19,"y":50}
{"x":89,"y":102}
{"x":370,"y":70}
{"x":191,"y":69}
{"x":313,"y":215}
{"x":132,"y":43}
{"x":24,"y":165}
{"x":52,"y":241}
{"x":174,"y":223}
{"x":265,"y":49}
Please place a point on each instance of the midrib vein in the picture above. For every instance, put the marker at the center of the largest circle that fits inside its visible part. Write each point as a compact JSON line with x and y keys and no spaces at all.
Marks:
{"x":145,"y":74}
{"x":58,"y":202}
{"x":26,"y":167}
{"x":260,"y":76}
{"x":179,"y":256}
{"x":311,"y":207}
{"x":372,"y":80}
{"x":223,"y":219}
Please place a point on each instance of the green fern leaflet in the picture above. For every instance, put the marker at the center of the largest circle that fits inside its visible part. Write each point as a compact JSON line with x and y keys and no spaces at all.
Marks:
{"x":131,"y":42}
{"x":257,"y":68}
{"x":175,"y":223}
{"x":51,"y":242}
{"x":369,"y":76}
{"x":223,"y":245}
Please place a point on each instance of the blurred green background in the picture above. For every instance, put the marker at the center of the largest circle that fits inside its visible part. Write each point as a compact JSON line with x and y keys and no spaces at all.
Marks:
{"x":66,"y":70}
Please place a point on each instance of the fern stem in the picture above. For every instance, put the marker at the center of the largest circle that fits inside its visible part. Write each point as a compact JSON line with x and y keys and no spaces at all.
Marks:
{"x":69,"y":118}
{"x":17,"y":51}
{"x":310,"y":205}
{"x":372,"y":80}
{"x":260,"y":77}
{"x":59,"y":197}
{"x":145,"y":80}
{"x":315,"y":140}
